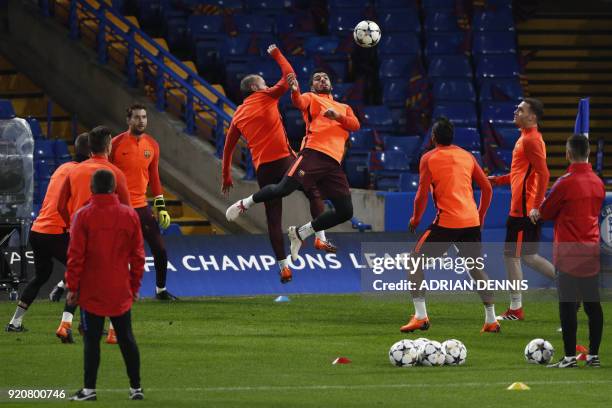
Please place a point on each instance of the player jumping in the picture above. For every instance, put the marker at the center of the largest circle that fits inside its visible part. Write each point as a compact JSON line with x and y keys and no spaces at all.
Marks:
{"x":328,"y":124}
{"x":258,"y":120}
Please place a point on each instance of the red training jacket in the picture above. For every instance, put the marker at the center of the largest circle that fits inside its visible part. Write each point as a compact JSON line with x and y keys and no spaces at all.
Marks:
{"x":105,"y":256}
{"x":574,"y":203}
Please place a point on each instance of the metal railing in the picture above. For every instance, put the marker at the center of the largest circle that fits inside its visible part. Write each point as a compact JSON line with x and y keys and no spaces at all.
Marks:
{"x":146,"y":63}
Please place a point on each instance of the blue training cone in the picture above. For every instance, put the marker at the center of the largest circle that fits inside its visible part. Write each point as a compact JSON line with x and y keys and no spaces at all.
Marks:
{"x":282,"y":299}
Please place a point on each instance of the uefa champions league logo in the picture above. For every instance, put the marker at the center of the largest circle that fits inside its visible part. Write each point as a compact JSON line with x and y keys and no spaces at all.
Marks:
{"x":606,"y":228}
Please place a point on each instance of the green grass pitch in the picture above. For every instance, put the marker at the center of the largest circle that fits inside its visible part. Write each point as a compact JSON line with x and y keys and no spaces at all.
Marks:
{"x":252,"y":352}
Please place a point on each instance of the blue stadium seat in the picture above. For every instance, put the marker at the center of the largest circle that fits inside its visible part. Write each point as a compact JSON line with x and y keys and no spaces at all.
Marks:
{"x":391,"y":21}
{"x":497,"y":66}
{"x":441,"y":43}
{"x":362,"y":140}
{"x":499,"y":4}
{"x":35,"y":127}
{"x":176,"y":31}
{"x":467,"y":138}
{"x":297,"y":23}
{"x":40,"y":189}
{"x":450,"y":66}
{"x":462,"y":114}
{"x":508,"y":135}
{"x":344,"y":20}
{"x":340,"y":90}
{"x":172,"y":230}
{"x":397,"y":4}
{"x":453,"y":90}
{"x":356,"y":168}
{"x":501,"y":20}
{"x":400,"y":119}
{"x":505,"y":156}
{"x":148,"y":12}
{"x":6,"y":109}
{"x":397,"y":66}
{"x":321,"y":44}
{"x":440,"y":21}
{"x":246,"y":23}
{"x":406,"y":144}
{"x":44,"y":169}
{"x":61,"y":150}
{"x":478,"y":156}
{"x":498,"y":113}
{"x":235,"y":46}
{"x":494,"y":43}
{"x":268,"y":7}
{"x":399,"y":43}
{"x":439,"y":4}
{"x":409,"y":181}
{"x":303,"y":66}
{"x":351,"y":4}
{"x":395,"y":92}
{"x":267,"y":68}
{"x":199,"y":26}
{"x":44,"y":149}
{"x":378,"y":117}
{"x":294,"y":124}
{"x":389,"y":160}
{"x":499,"y":89}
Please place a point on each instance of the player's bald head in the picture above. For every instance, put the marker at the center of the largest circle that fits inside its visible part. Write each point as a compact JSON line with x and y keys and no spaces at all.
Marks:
{"x":251,"y":83}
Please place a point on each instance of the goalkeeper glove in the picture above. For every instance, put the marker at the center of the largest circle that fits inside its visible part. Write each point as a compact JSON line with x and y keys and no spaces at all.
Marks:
{"x":162,"y":215}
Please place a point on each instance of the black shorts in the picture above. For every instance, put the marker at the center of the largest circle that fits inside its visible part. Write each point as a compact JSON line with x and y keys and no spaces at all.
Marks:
{"x":522,"y":237}
{"x":315,"y":169}
{"x":577,"y":289}
{"x":273,"y":172}
{"x":436,"y":240}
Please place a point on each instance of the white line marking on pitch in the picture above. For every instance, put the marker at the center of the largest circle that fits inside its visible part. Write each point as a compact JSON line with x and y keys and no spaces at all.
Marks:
{"x":358,"y":387}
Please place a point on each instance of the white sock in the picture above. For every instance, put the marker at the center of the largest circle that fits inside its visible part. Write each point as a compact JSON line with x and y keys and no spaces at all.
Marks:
{"x":283,"y":263}
{"x":159,"y":290}
{"x":248,"y":202}
{"x":570,"y":358}
{"x":135,"y":389}
{"x":18,"y":316}
{"x":305,"y":231}
{"x":110,"y":326}
{"x":420,"y":311}
{"x":61,"y":284}
{"x":321,"y":235}
{"x":490,"y":314}
{"x":88,"y":391}
{"x":516,"y":301}
{"x":67,"y":317}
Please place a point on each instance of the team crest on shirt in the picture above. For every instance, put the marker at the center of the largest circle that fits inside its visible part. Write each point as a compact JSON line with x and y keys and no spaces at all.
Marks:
{"x":301,"y":173}
{"x":147,"y":154}
{"x":605,"y":229}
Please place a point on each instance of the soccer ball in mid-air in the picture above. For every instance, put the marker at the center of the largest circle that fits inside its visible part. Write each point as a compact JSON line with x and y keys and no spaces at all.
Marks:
{"x":431,"y":354}
{"x":366,"y":34}
{"x":404,"y":354}
{"x":539,"y":351}
{"x":455,"y":352}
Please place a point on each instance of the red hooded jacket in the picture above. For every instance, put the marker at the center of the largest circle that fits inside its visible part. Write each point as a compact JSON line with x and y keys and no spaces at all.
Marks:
{"x":105,"y":256}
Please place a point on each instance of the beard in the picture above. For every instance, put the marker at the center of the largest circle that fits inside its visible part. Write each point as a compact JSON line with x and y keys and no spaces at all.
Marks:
{"x":137,"y":132}
{"x":325,"y":91}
